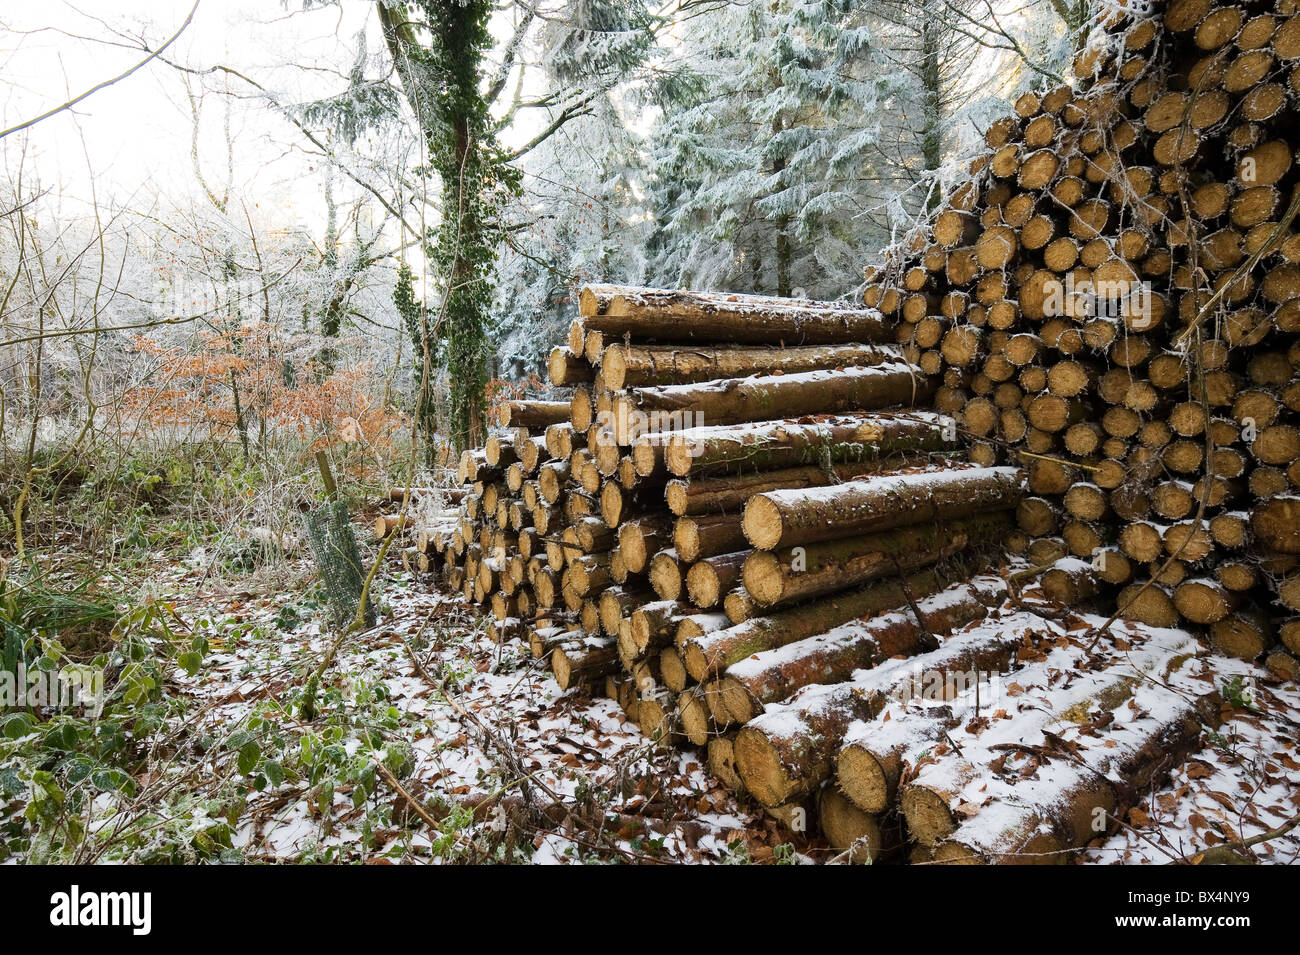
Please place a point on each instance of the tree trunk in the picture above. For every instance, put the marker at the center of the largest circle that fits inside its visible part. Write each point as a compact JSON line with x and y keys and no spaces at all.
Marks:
{"x":728,"y":493}
{"x":792,"y":748}
{"x":711,"y":652}
{"x":638,"y":366}
{"x":796,"y":573}
{"x":842,"y":439}
{"x":775,"y":675}
{"x":534,"y":415}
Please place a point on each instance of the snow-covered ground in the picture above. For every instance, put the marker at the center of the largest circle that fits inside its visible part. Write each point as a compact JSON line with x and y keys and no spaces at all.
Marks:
{"x":629,"y":799}
{"x":486,"y":726}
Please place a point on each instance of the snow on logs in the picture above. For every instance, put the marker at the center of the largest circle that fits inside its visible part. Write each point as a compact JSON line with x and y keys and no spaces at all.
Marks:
{"x":619,"y":311}
{"x":764,"y":398}
{"x":836,"y":439}
{"x":784,"y":518}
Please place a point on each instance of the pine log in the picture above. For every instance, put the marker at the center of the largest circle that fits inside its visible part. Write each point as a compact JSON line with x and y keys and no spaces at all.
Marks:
{"x":566,"y":368}
{"x":717,"y":317}
{"x":792,"y":748}
{"x":796,"y":573}
{"x":710,"y":651}
{"x":637,"y":366}
{"x":864,"y":838}
{"x":709,"y":579}
{"x":764,"y":398}
{"x":929,"y":800}
{"x":785,"y":518}
{"x":1276,"y":524}
{"x":769,"y":446}
{"x":727,"y":493}
{"x":584,"y":660}
{"x":1043,"y":823}
{"x":774,"y":675}
{"x":533,"y":414}
{"x":696,"y":538}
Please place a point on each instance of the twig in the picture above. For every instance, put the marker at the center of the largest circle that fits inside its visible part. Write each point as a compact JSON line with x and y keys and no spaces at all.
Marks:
{"x":1226,"y":854}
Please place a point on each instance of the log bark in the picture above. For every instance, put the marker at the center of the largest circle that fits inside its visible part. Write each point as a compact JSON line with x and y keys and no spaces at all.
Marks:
{"x":786,"y":518}
{"x":775,"y":675}
{"x":765,"y":398}
{"x":727,"y":493}
{"x":720,"y":317}
{"x":638,"y":366}
{"x":1047,"y":823}
{"x":840,"y":439}
{"x":930,"y":801}
{"x":800,"y":572}
{"x":712,"y":651}
{"x":792,"y":748}
{"x":584,"y":660}
{"x":696,"y":538}
{"x":534,"y":414}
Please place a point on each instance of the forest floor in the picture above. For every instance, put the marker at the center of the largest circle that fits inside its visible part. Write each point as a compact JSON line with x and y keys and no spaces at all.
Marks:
{"x":480,"y":725}
{"x":476,"y":713}
{"x":505,"y":768}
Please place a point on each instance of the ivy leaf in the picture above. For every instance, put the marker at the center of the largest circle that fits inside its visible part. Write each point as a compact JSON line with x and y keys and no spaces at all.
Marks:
{"x":63,"y":738}
{"x":77,"y":769}
{"x":10,"y":782}
{"x":17,"y":725}
{"x":110,"y":780}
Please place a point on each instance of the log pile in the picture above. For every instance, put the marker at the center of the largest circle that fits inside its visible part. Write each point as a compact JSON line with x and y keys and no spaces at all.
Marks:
{"x":425,"y":518}
{"x":1112,"y":301}
{"x":756,"y":520}
{"x":646,"y":537}
{"x":610,"y":524}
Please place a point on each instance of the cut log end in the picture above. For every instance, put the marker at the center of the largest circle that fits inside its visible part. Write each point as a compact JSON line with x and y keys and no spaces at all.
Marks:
{"x":762,"y":522}
{"x":863,"y":779}
{"x":759,"y":765}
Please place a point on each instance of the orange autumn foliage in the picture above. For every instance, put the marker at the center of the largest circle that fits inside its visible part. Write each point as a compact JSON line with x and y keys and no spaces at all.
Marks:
{"x":195,"y":386}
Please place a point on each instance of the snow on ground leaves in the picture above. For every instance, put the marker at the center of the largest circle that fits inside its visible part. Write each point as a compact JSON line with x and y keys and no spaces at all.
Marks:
{"x":657,"y":805}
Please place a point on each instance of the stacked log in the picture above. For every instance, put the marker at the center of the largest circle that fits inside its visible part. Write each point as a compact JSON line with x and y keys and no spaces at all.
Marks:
{"x":425,"y":518}
{"x":754,"y":521}
{"x":1112,"y":301}
{"x":953,"y":741}
{"x":675,"y":522}
{"x":1056,"y":768}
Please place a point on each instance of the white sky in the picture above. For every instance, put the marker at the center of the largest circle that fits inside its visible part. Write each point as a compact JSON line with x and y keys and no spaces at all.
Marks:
{"x":137,"y":132}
